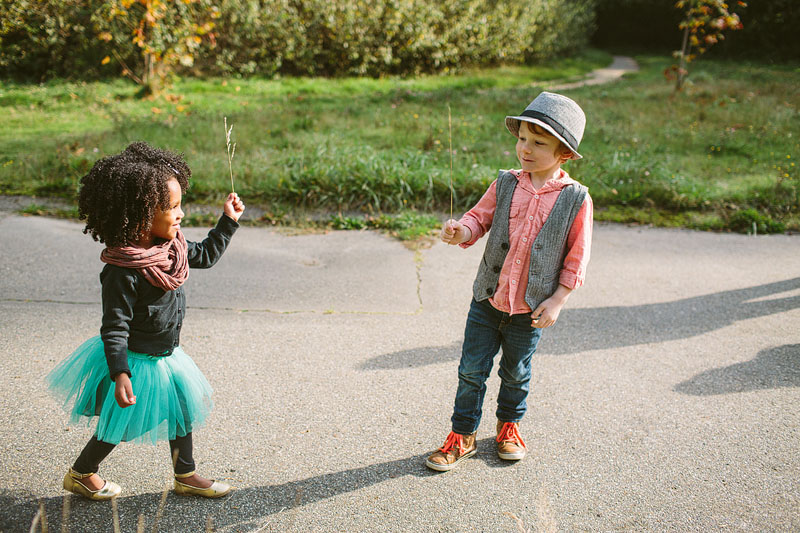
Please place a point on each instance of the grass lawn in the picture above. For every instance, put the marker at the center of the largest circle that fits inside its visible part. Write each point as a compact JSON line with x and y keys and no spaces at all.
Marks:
{"x":374,"y":152}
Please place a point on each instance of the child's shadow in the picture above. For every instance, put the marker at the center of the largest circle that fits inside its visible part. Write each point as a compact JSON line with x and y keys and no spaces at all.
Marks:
{"x":773,"y":368}
{"x":248,"y":508}
{"x":601,"y":328}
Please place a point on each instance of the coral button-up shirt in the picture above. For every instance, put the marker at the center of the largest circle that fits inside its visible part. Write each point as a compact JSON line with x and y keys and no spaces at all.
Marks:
{"x":529,"y":210}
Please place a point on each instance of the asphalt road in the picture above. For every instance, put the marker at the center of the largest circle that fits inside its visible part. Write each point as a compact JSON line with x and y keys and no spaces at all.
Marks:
{"x":665,"y":399}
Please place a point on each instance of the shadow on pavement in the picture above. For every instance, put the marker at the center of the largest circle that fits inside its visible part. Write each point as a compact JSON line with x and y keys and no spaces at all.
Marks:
{"x":771,"y":369}
{"x":244,"y":509}
{"x":429,"y":355}
{"x":600,"y":328}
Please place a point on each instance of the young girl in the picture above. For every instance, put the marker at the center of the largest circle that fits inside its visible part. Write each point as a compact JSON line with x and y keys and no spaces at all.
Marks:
{"x":135,"y":377}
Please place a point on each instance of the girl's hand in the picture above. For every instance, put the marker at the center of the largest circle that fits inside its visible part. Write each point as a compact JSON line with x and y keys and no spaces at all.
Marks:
{"x":454,"y":232}
{"x":123,"y":391}
{"x":234,"y":207}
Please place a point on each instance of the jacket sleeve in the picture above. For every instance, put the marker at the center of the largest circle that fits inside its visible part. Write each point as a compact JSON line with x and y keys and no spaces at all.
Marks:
{"x":119,"y":296}
{"x":205,"y":254}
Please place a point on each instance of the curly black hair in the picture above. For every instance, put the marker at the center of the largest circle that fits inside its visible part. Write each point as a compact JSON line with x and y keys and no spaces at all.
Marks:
{"x":120,"y":195}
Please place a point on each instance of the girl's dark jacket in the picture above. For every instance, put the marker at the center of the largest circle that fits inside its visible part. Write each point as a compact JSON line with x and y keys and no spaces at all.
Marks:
{"x":140,"y":317}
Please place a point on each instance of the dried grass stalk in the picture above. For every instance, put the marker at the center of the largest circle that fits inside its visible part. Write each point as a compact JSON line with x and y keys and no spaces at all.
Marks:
{"x":65,"y":509}
{"x":115,"y":514}
{"x":450,"y":143}
{"x":544,"y":510}
{"x":38,"y":517}
{"x":161,"y":505}
{"x":518,"y":520}
{"x":231,"y":149}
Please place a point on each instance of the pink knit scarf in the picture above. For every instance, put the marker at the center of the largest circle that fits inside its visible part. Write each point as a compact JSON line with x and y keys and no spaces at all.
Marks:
{"x":164,"y":265}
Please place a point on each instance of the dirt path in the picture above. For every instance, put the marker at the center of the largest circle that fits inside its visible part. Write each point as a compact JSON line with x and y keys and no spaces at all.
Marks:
{"x":613,"y":72}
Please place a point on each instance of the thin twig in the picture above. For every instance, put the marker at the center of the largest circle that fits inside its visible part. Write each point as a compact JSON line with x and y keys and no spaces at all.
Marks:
{"x":36,"y":519}
{"x":115,"y":515}
{"x":160,"y":511}
{"x":450,"y":139}
{"x":65,"y":514}
{"x":264,"y":527}
{"x":544,"y":510}
{"x":44,"y":517}
{"x":518,"y":520}
{"x":127,"y":72}
{"x":231,"y":150}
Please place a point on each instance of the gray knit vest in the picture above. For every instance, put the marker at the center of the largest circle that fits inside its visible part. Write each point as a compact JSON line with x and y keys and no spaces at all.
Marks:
{"x":547,"y":250}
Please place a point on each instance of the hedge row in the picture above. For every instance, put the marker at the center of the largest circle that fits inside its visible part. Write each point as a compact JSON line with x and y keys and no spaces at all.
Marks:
{"x":59,"y":38}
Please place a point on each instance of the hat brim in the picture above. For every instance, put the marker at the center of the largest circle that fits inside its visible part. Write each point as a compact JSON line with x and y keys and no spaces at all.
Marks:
{"x":512,"y":123}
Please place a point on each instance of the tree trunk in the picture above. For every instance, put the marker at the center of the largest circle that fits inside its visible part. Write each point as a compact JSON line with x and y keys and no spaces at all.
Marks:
{"x":682,"y":63}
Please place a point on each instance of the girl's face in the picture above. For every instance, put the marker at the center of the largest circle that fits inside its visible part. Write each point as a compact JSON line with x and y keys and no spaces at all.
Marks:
{"x":167,"y":223}
{"x":538,"y":153}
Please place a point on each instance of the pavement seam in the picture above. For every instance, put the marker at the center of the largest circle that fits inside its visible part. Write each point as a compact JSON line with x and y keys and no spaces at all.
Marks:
{"x":418,"y":263}
{"x":240,"y":310}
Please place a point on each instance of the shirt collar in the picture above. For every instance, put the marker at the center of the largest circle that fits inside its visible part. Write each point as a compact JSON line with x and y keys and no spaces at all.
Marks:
{"x":554,"y":184}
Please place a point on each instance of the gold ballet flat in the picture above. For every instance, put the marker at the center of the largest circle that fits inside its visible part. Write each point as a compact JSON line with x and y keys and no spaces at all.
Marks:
{"x":216,"y":490}
{"x":72,"y":483}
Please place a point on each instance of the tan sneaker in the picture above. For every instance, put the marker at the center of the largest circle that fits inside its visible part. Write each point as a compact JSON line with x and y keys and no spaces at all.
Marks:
{"x":510,"y":445}
{"x":455,"y":448}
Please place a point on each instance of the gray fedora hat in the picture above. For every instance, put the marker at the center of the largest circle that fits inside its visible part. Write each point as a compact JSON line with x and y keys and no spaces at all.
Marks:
{"x":557,"y":114}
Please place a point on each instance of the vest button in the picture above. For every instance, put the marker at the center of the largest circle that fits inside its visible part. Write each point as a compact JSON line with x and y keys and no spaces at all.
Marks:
{"x":496,"y":269}
{"x":489,"y":291}
{"x":504,"y":246}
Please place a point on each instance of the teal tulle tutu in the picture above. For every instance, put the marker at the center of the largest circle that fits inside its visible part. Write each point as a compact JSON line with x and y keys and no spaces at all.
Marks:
{"x":172,"y":396}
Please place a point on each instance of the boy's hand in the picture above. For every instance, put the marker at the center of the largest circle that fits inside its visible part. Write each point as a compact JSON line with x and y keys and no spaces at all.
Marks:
{"x":454,"y":232}
{"x":123,"y":391}
{"x":547,"y":313}
{"x":234,"y":207}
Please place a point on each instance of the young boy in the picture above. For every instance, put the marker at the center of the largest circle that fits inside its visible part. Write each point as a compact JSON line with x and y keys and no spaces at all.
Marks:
{"x":536,"y":255}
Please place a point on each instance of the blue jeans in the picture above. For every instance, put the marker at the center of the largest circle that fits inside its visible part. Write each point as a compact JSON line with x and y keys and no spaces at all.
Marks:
{"x":486,"y":332}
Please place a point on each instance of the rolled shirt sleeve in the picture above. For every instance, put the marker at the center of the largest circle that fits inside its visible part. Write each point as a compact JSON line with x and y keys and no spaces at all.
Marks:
{"x":479,"y":218}
{"x":579,"y":244}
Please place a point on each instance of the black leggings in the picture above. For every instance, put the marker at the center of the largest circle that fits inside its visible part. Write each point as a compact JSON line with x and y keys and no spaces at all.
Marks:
{"x":96,"y":450}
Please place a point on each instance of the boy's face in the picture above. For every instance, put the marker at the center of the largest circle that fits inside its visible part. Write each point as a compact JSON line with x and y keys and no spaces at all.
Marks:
{"x":538,"y":153}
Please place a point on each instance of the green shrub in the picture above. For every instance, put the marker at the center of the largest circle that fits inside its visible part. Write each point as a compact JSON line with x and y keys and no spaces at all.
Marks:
{"x":40,"y":40}
{"x":746,"y":220}
{"x":61,"y":38}
{"x":353,"y":37}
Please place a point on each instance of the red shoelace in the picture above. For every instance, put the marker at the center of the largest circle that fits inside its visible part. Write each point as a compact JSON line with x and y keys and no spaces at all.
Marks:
{"x":453,"y":439}
{"x":510,"y":433}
